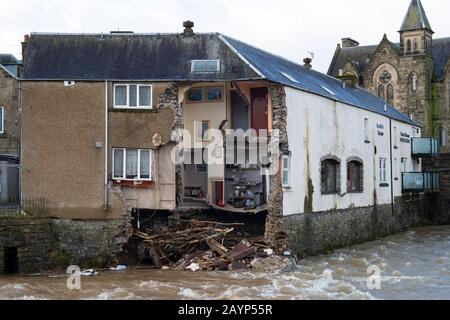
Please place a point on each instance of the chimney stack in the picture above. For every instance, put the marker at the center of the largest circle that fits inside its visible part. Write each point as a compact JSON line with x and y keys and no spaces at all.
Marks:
{"x":26,"y":39}
{"x":349,"y":43}
{"x":188,"y":28}
{"x":307,"y":63}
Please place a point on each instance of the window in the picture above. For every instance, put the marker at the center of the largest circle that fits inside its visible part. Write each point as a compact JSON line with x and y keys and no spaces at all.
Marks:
{"x":390,"y":94}
{"x":413,"y":83}
{"x":396,"y":138}
{"x":366,"y":130}
{"x":205,"y":66}
{"x":2,"y":120}
{"x":201,"y":168}
{"x":442,"y":137}
{"x":381,"y":92}
{"x":383,"y":171}
{"x":330,"y":176}
{"x":214,"y":94}
{"x":404,"y":165}
{"x":132,"y":164}
{"x":408,"y":46}
{"x":133,"y":96}
{"x":195,"y":95}
{"x":208,"y":94}
{"x":415,"y":46}
{"x":285,"y":170}
{"x":355,"y":177}
{"x":201,"y":130}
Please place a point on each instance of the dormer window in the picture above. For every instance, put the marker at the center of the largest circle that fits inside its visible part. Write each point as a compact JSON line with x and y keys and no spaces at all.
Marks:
{"x":205,"y":66}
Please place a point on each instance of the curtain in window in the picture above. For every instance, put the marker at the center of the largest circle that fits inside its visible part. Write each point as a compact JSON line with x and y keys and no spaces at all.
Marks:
{"x":145,"y":164}
{"x":118,"y":164}
{"x":133,"y":96}
{"x":120,"y":95}
{"x":144,"y":96}
{"x":132,"y":164}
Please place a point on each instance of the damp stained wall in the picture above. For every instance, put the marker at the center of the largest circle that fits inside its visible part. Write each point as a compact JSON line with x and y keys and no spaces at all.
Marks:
{"x":319,"y":127}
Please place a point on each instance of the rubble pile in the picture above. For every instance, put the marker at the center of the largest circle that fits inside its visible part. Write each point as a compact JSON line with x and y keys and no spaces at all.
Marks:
{"x":203,"y":245}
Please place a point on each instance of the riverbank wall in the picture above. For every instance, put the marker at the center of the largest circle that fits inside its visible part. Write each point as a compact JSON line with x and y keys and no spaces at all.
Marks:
{"x":321,"y":232}
{"x":33,"y":245}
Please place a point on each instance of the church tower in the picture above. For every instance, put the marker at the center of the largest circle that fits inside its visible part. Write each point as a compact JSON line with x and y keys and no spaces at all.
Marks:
{"x":416,"y":35}
{"x":416,"y":67}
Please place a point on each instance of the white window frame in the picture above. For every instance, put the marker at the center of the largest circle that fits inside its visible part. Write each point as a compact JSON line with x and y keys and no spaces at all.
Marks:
{"x":286,"y":169}
{"x":2,"y":111}
{"x":217,"y":61}
{"x":383,"y":171}
{"x":127,"y":106}
{"x":124,"y":169}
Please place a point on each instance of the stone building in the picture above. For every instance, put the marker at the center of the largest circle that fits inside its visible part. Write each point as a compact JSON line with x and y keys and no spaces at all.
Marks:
{"x":413,"y":75}
{"x":10,"y":69}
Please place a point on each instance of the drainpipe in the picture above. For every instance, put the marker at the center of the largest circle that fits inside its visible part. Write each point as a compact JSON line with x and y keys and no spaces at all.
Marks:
{"x":392,"y":174}
{"x":106,"y":146}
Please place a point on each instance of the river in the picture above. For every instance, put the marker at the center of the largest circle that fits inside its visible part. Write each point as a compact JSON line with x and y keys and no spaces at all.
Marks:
{"x":413,"y":265}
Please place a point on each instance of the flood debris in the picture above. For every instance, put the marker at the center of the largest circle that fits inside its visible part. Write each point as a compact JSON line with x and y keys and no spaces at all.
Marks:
{"x":202,"y":245}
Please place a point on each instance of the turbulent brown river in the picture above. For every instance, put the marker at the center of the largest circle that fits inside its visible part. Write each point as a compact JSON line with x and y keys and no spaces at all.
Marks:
{"x":413,"y":265}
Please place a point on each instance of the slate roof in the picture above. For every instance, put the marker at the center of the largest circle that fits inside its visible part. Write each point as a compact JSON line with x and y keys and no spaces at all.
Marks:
{"x":6,"y":59}
{"x":273,"y":67}
{"x":415,"y":18}
{"x":167,"y":58}
{"x":363,"y":54}
{"x":128,"y":57}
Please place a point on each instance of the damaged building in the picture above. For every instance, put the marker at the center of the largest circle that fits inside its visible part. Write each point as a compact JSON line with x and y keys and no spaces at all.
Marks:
{"x":124,"y":123}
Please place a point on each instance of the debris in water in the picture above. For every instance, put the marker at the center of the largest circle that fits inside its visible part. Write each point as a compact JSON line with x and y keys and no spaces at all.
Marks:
{"x":119,"y":268}
{"x":193,"y":267}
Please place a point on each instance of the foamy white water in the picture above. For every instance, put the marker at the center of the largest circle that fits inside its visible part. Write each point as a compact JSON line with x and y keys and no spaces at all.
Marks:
{"x":413,"y":265}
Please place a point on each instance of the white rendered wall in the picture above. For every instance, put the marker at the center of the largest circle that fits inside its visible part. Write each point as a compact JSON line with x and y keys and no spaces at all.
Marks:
{"x":319,"y":127}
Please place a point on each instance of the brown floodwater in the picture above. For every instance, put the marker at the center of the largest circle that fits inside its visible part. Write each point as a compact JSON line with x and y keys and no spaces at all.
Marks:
{"x":413,"y":265}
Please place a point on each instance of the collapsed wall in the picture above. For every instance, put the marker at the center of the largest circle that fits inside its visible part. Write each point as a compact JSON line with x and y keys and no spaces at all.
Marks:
{"x":275,"y":234}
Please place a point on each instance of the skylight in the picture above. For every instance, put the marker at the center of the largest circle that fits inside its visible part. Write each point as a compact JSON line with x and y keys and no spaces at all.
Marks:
{"x":203,"y":66}
{"x":291,"y":78}
{"x":328,"y":90}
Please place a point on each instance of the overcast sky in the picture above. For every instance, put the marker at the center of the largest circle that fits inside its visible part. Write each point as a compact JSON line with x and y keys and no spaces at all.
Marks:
{"x":290,"y":28}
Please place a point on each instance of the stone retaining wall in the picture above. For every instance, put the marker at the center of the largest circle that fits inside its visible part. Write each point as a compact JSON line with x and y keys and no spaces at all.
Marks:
{"x":44,"y":244}
{"x":316,"y":233}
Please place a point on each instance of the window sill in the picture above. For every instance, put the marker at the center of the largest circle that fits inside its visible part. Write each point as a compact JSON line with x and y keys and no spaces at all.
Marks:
{"x":355,"y":192}
{"x":384,"y":185}
{"x":133,"y":110}
{"x":139,"y":184}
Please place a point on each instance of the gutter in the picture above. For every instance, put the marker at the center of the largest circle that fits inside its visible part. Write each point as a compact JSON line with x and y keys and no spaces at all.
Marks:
{"x":106,"y":200}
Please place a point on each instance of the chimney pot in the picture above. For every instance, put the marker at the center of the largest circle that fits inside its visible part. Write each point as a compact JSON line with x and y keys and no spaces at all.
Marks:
{"x":188,"y":28}
{"x":349,"y":43}
{"x":307,"y":63}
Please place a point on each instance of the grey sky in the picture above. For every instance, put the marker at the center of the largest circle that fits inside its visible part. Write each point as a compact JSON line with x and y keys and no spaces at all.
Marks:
{"x":290,"y":28}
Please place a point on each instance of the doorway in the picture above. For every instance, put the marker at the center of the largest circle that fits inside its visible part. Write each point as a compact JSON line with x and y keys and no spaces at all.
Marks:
{"x":259,"y":109}
{"x":10,"y":260}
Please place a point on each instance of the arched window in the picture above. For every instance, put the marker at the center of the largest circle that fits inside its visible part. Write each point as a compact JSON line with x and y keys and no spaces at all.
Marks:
{"x":381,"y":92}
{"x":415,"y":46}
{"x":355,"y":177}
{"x":413,"y":82}
{"x":390,"y":94}
{"x":408,"y":46}
{"x":442,"y":137}
{"x":330,"y":176}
